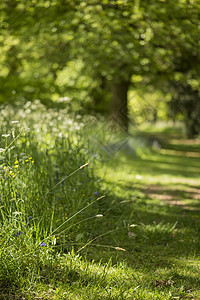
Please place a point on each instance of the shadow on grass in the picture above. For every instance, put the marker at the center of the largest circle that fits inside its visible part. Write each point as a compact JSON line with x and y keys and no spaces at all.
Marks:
{"x":166,"y":215}
{"x":183,"y":167}
{"x":158,"y":242}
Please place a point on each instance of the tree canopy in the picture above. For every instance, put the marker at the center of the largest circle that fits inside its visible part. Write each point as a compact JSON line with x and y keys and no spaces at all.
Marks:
{"x":94,"y":50}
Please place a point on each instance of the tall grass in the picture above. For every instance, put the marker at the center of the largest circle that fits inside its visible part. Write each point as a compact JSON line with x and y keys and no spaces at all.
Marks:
{"x":48,"y":193}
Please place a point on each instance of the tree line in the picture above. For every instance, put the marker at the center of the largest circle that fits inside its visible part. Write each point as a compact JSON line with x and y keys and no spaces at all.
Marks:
{"x":93,"y":50}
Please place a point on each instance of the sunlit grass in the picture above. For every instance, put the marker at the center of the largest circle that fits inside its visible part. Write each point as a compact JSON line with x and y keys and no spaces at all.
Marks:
{"x":49,"y":194}
{"x":61,"y":240}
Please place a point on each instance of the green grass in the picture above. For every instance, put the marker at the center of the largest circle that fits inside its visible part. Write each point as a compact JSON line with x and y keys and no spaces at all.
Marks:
{"x":141,"y":241}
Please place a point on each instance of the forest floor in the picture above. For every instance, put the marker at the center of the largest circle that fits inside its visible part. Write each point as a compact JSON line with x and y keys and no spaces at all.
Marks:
{"x":148,"y":244}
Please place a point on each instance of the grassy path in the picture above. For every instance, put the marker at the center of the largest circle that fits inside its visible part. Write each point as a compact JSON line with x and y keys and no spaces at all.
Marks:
{"x":159,"y":193}
{"x":147,"y":245}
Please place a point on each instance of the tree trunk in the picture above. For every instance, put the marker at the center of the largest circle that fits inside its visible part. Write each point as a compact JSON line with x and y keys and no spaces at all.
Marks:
{"x":119,"y":109}
{"x":100,"y":96}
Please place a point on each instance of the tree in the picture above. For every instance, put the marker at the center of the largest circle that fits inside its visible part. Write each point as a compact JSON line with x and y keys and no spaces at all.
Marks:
{"x":186,"y":102}
{"x":118,"y":39}
{"x":34,"y":47}
{"x":114,"y":40}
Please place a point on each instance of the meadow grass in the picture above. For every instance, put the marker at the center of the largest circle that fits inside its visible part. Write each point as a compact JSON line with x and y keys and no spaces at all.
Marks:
{"x":48,"y":191}
{"x":61,"y":240}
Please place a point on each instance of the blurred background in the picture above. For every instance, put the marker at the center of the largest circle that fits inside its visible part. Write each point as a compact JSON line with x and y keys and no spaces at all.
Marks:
{"x":136,"y":61}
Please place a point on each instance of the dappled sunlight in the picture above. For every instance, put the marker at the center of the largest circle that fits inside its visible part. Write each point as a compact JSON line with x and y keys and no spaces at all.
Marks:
{"x":147,"y":219}
{"x":175,"y":195}
{"x":179,"y":153}
{"x":99,"y":150}
{"x":191,"y":142}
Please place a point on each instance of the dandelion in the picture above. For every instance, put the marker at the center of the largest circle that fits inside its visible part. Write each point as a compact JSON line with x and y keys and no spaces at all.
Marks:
{"x":16,"y":166}
{"x":16,"y":162}
{"x":43,"y":244}
{"x":26,"y":160}
{"x":30,"y":157}
{"x":32,"y":161}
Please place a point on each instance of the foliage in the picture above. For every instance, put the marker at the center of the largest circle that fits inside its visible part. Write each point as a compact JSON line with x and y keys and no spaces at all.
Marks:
{"x":90,"y":50}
